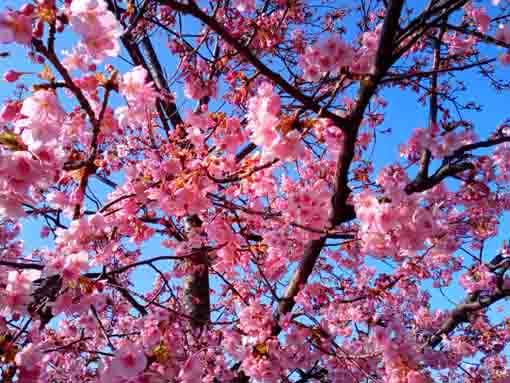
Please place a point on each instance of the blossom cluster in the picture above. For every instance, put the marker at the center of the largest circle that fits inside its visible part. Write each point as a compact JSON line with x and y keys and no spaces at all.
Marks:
{"x":263,"y":120}
{"x":98,"y":28}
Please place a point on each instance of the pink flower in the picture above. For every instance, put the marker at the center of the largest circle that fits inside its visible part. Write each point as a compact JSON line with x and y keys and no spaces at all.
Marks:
{"x":457,"y":44}
{"x":21,"y":170}
{"x":263,"y":117}
{"x":417,"y":377}
{"x":10,"y":110}
{"x":370,"y":40}
{"x":57,"y":199}
{"x":76,"y":59}
{"x":10,"y":206}
{"x":480,"y":18}
{"x":503,"y":34}
{"x":17,"y":292}
{"x":478,"y":278}
{"x":42,"y":106}
{"x":98,"y":27}
{"x":192,"y":369}
{"x":195,"y":87}
{"x":15,"y":27}
{"x":256,"y":321}
{"x":135,"y":88}
{"x":64,"y":304}
{"x":288,"y":147}
{"x":246,"y":5}
{"x":28,"y":361}
{"x":43,"y":117}
{"x":86,"y":16}
{"x":504,"y":59}
{"x":74,"y":264}
{"x":129,"y":361}
{"x":323,"y":57}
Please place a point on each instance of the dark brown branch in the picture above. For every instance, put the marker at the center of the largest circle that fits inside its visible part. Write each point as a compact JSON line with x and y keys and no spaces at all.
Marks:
{"x":460,"y":314}
{"x":127,"y":296}
{"x":245,"y":151}
{"x":196,"y":290}
{"x":156,"y":71}
{"x":447,"y":170}
{"x":426,"y":156}
{"x":152,"y":66}
{"x":485,"y":38}
{"x":22,"y":265}
{"x":399,"y":77}
{"x":52,"y":57}
{"x":240,"y":175}
{"x":479,"y":145}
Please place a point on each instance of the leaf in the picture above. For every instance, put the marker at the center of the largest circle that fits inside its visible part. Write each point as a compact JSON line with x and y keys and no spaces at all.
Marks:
{"x":87,"y":286}
{"x":12,"y":141}
{"x":78,"y":174}
{"x":10,"y":354}
{"x":47,"y":14}
{"x":46,"y":74}
{"x":101,"y":79}
{"x":317,"y":334}
{"x":261,"y":350}
{"x":161,"y":353}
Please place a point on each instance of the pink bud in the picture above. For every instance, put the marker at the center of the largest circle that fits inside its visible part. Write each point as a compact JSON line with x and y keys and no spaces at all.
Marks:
{"x":38,"y":30}
{"x":45,"y":232}
{"x":10,"y":111}
{"x":504,"y":59}
{"x":12,"y":75}
{"x":59,"y":25}
{"x":27,"y":9}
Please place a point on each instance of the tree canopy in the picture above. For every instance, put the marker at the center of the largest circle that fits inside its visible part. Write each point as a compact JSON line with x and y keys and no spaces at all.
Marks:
{"x":211,"y":208}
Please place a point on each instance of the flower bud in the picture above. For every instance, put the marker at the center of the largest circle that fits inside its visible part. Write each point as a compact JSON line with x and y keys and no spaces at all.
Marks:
{"x":12,"y":75}
{"x":27,"y":9}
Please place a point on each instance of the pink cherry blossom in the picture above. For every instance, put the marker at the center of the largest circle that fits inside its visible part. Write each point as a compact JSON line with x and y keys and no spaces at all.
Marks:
{"x":18,"y":290}
{"x":265,"y":191}
{"x":129,"y":361}
{"x":43,"y":116}
{"x":29,"y":362}
{"x":503,"y":34}
{"x":327,"y":56}
{"x":246,"y":5}
{"x":192,"y":370}
{"x":481,"y":18}
{"x":98,"y":26}
{"x":504,"y":59}
{"x":15,"y":27}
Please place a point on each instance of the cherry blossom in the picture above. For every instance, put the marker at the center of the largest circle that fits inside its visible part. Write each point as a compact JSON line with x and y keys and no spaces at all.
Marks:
{"x":256,"y":191}
{"x":129,"y":361}
{"x":15,"y":27}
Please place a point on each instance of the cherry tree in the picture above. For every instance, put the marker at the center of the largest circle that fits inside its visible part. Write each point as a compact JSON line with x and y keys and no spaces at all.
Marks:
{"x":210,"y":205}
